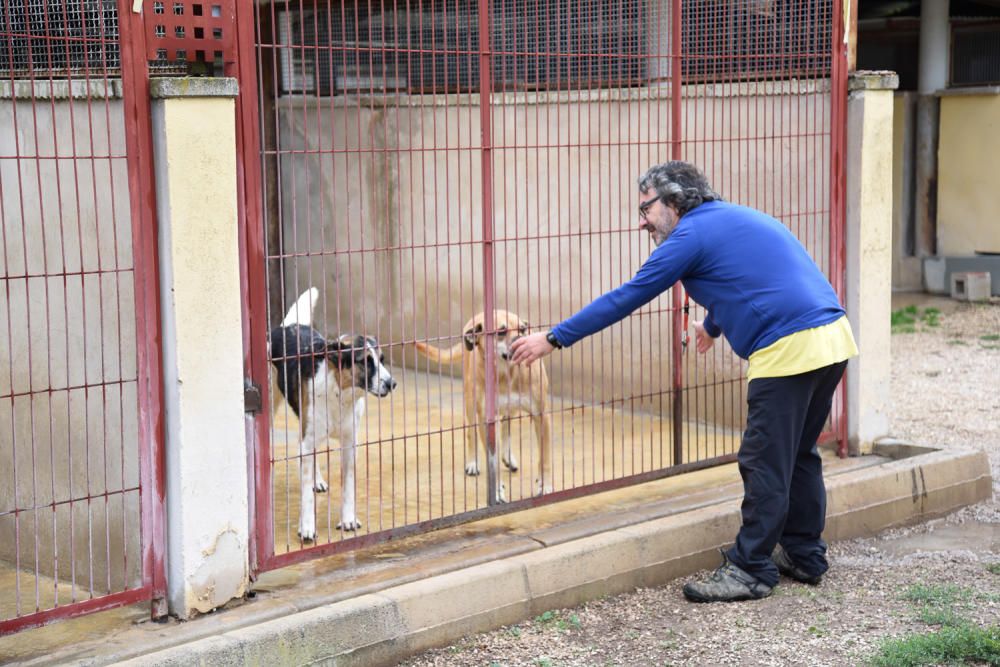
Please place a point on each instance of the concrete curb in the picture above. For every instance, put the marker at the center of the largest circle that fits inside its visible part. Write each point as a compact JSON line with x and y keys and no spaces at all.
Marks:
{"x":385,"y":627}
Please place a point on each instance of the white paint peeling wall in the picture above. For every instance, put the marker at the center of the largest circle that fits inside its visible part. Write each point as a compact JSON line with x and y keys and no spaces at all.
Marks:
{"x":207,"y":502}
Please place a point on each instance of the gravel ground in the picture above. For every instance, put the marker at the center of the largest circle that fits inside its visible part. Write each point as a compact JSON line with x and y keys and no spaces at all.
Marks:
{"x":945,"y":391}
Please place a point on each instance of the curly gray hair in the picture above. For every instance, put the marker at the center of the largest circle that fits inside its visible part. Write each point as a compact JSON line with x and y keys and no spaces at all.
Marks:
{"x":679,"y":184}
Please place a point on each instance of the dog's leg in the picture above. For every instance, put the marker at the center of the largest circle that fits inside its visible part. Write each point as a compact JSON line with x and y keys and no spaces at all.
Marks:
{"x":319,"y":483}
{"x":348,"y":450}
{"x":504,"y":445}
{"x":543,"y":431}
{"x":491,"y":457}
{"x":307,"y":508}
{"x":473,"y":427}
{"x":311,"y":422}
{"x":307,"y":502}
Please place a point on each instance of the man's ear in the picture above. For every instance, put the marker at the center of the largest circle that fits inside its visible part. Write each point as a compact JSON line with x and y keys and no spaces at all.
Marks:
{"x":471,"y":335}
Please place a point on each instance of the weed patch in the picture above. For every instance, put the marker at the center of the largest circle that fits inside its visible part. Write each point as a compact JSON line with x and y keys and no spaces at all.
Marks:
{"x":936,"y":594}
{"x":943,"y":616}
{"x":960,"y":645}
{"x":551,"y":619}
{"x":911,"y":319}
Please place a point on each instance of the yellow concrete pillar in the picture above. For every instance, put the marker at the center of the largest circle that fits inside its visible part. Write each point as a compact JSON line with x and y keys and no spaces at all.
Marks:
{"x":194,"y":147}
{"x":869,"y":253}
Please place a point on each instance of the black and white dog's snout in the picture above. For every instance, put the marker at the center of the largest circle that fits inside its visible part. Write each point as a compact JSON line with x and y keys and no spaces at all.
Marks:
{"x":384,"y":387}
{"x":380,"y":381}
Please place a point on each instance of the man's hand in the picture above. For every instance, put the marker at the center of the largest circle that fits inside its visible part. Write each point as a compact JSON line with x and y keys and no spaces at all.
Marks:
{"x":701,"y":337}
{"x":526,"y":349}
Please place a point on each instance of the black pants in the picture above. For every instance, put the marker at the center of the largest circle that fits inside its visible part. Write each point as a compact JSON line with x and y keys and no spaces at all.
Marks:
{"x":784,"y":497}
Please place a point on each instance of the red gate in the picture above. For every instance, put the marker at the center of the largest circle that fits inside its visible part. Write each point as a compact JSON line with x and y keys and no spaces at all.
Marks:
{"x":418,"y":163}
{"x":81,"y":496}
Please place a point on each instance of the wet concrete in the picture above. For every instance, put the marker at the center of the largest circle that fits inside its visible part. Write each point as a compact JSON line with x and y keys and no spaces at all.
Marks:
{"x":350,"y":575}
{"x":975,"y":537}
{"x":411,"y":468}
{"x":411,"y":462}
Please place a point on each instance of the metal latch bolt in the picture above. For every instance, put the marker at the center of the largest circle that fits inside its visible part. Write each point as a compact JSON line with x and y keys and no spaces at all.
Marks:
{"x":252,"y":401}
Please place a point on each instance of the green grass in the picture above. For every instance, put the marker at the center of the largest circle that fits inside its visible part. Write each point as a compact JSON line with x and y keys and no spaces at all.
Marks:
{"x":551,"y":619}
{"x":937,"y":594}
{"x":911,"y":318}
{"x":939,"y":616}
{"x":950,"y":646}
{"x":990,"y":337}
{"x":993,"y":568}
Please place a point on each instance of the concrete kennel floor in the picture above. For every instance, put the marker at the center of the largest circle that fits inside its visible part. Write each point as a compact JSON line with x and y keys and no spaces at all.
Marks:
{"x":411,"y":468}
{"x":411,"y":457}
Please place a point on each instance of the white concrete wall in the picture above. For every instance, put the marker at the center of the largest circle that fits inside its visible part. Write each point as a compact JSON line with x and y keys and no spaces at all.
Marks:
{"x":207,"y":501}
{"x":68,"y":416}
{"x":869,"y":262}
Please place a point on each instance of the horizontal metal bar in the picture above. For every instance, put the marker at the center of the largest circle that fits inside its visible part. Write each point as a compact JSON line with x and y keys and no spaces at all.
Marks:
{"x":73,"y":609}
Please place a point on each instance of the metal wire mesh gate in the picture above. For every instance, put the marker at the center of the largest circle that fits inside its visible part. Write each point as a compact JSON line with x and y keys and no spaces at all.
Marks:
{"x":419,"y":163}
{"x":81,"y":489}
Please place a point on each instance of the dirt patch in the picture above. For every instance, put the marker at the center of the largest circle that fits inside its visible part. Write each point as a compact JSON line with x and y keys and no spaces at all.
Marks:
{"x":945,"y":392}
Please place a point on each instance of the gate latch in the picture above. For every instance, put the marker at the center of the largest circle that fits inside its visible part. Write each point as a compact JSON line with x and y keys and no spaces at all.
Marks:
{"x":252,"y":401}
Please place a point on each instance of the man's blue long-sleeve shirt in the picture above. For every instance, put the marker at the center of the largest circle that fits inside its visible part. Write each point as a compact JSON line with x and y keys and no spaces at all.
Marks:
{"x":751,"y":274}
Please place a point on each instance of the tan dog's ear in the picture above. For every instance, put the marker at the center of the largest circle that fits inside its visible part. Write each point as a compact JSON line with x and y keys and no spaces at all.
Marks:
{"x":471,"y":335}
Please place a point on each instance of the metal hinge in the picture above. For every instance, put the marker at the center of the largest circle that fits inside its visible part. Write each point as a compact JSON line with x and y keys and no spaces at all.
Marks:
{"x":252,"y":401}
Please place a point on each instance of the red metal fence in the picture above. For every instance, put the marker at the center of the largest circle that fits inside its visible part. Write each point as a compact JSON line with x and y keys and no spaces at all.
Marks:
{"x":418,"y":163}
{"x":81,"y":487}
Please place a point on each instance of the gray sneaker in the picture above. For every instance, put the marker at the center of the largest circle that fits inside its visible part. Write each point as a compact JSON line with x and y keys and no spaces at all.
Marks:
{"x":787,"y":567}
{"x":727,"y":584}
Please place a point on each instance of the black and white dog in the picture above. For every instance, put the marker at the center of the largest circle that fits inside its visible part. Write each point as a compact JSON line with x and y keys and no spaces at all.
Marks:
{"x":324,"y":382}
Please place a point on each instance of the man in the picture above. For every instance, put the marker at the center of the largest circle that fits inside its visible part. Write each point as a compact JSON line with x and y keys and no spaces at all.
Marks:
{"x":763,"y":291}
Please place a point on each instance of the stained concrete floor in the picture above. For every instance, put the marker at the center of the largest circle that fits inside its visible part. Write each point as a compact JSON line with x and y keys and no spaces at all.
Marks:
{"x":23,"y":592}
{"x":411,"y":468}
{"x":411,"y":457}
{"x":350,"y":574}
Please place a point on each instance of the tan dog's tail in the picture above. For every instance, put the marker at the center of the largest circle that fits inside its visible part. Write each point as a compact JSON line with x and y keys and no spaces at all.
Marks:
{"x":443,"y":356}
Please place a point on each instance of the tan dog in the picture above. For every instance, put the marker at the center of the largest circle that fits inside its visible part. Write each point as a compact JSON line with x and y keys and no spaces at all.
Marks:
{"x":520,"y":389}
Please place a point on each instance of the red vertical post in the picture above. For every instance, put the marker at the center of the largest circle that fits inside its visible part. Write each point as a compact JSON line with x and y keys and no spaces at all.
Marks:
{"x":139,"y":149}
{"x":838,"y":185}
{"x":486,"y":136}
{"x":253,"y":279}
{"x":676,"y":151}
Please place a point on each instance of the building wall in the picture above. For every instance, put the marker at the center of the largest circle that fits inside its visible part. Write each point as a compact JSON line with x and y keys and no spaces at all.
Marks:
{"x":68,"y":403}
{"x":968,"y":164}
{"x":906,"y":269}
{"x":395,"y":228}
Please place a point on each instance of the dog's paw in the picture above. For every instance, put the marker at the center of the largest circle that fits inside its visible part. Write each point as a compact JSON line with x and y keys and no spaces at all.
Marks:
{"x":320,"y":486}
{"x":349,"y":525}
{"x":502,"y":493}
{"x":307,"y":531}
{"x":540,"y":489}
{"x":472,"y":468}
{"x":511,"y":462}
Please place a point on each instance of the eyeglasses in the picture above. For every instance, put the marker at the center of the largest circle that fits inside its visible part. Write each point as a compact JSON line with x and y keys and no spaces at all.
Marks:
{"x":646,"y":205}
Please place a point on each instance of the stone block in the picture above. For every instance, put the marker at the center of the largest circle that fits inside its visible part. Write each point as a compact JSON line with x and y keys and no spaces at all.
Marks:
{"x":970,"y":286}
